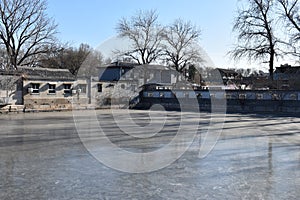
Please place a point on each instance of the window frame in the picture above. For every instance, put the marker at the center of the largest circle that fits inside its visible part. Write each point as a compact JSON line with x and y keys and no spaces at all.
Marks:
{"x":35,"y":90}
{"x":50,"y":89}
{"x":99,"y":87}
{"x":67,"y":90}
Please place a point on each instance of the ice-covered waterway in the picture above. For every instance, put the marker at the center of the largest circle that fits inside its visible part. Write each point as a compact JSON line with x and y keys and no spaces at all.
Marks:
{"x":45,"y":156}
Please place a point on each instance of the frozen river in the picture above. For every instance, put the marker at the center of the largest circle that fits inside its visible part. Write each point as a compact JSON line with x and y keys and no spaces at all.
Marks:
{"x":148,"y":155}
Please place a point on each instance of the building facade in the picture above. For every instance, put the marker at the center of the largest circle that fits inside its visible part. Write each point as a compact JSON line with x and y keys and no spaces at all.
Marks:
{"x":119,"y":82}
{"x":44,"y":89}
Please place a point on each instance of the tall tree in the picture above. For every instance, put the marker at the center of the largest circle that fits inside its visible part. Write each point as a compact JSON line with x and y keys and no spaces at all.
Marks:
{"x":290,"y":13}
{"x":256,"y":38}
{"x":145,"y":33}
{"x":181,"y":48}
{"x":81,"y":61}
{"x":3,"y":58}
{"x":75,"y":57}
{"x":92,"y":64}
{"x":25,"y":30}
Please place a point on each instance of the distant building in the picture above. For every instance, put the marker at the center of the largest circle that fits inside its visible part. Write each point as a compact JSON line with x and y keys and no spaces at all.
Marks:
{"x":115,"y":71}
{"x":223,"y":78}
{"x":57,"y":89}
{"x":286,"y":71}
{"x":122,"y":81}
{"x":287,"y":77}
{"x":132,"y":72}
{"x":258,"y":81}
{"x":45,"y":89}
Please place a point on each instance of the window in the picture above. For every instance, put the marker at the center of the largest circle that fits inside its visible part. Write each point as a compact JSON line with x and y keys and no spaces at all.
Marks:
{"x":228,"y":96}
{"x":67,"y":88}
{"x":35,"y":88}
{"x":275,"y":97}
{"x":293,"y":97}
{"x":242,"y":96}
{"x":82,"y":88}
{"x":259,"y":96}
{"x":52,"y":89}
{"x":150,"y":94}
{"x":99,"y":87}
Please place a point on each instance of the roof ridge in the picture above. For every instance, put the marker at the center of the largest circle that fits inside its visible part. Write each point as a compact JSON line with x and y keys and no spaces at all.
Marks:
{"x":43,"y":68}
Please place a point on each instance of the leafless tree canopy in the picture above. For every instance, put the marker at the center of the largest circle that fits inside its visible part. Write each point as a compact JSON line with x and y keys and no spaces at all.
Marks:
{"x":145,"y":33}
{"x":181,"y":44}
{"x":290,"y":13}
{"x":91,"y":65}
{"x":25,"y":30}
{"x":256,"y":38}
{"x":175,"y":43}
{"x":82,"y":61}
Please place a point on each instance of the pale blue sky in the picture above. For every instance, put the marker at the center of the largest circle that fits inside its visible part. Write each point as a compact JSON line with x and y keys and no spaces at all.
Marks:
{"x":94,"y":21}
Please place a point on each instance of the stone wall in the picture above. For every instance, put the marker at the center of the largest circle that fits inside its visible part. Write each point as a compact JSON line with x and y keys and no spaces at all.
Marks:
{"x":275,"y":102}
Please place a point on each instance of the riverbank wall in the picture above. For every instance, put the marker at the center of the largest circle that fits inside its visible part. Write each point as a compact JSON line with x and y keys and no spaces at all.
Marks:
{"x":230,"y":101}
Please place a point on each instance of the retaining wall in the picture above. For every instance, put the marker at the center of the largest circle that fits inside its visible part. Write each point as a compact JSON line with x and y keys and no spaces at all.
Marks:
{"x":242,"y":101}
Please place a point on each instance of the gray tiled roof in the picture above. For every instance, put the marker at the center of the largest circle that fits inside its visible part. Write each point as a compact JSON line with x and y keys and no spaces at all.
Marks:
{"x":38,"y":73}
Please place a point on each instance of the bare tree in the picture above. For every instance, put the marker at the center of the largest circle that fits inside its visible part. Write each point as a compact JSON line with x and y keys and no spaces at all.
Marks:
{"x":145,"y":33}
{"x":181,"y":48}
{"x":75,"y":57}
{"x":81,"y":61}
{"x":256,"y":38}
{"x":289,"y":10}
{"x":25,"y":30}
{"x":91,"y":64}
{"x":244,"y":72}
{"x":3,"y":58}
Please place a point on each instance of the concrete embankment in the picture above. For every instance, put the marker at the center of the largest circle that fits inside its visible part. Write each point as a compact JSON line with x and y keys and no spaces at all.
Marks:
{"x":274,"y":102}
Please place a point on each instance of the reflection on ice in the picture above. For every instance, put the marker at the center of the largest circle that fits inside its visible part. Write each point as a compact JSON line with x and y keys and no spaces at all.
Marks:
{"x":256,"y":157}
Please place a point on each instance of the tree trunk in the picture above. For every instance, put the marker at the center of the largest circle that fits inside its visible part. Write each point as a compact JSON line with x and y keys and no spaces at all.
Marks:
{"x":271,"y":64}
{"x":13,"y":62}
